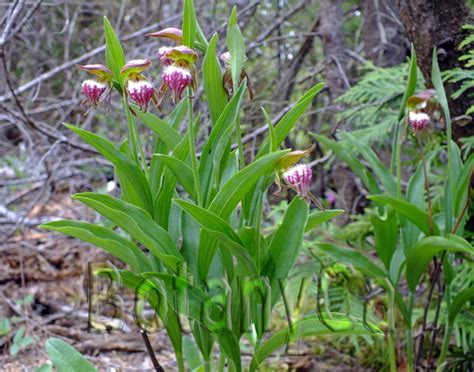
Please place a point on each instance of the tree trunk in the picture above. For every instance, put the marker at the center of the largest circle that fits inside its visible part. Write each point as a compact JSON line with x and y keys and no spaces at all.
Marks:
{"x":385,"y":43}
{"x":437,"y":23}
{"x":331,"y":22}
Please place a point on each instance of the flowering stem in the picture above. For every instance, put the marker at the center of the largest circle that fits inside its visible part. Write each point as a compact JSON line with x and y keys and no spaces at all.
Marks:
{"x":427,"y":184}
{"x":240,"y":145}
{"x":410,"y":349}
{"x":192,"y":148}
{"x":396,"y":157}
{"x":391,"y":330}
{"x":135,"y":139}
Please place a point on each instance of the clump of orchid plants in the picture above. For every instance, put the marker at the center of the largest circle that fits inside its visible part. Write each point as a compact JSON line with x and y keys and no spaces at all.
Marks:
{"x":188,"y":226}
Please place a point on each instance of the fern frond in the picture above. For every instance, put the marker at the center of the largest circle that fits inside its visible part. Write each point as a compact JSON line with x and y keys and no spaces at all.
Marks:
{"x":373,"y":103}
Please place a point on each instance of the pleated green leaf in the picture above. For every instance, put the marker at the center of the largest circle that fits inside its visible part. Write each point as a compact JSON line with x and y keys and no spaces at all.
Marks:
{"x":409,"y":211}
{"x":353,"y":257}
{"x":104,"y":238}
{"x":65,"y":358}
{"x":212,"y":81}
{"x":114,"y":55}
{"x":288,"y":121}
{"x":312,"y":326}
{"x":421,"y":254}
{"x":139,"y":190}
{"x":138,"y":223}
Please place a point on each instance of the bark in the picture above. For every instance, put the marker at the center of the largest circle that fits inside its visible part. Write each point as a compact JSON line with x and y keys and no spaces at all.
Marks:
{"x":385,"y":43}
{"x":437,"y":23}
{"x":331,"y":22}
{"x":335,"y":62}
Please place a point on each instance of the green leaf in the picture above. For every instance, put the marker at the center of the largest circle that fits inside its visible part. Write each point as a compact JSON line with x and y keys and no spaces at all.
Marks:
{"x":462,"y":184}
{"x":421,"y":254}
{"x":165,"y":132}
{"x":312,"y":326}
{"x":131,"y":173}
{"x":181,"y":171}
{"x":353,"y":257}
{"x":286,"y":244}
{"x":222,"y":231}
{"x":189,"y":23}
{"x":319,"y":217}
{"x":385,"y":234}
{"x":458,"y":302}
{"x":212,"y":81}
{"x":65,"y":358}
{"x":236,"y":47}
{"x":348,"y":157}
{"x":5,"y":327}
{"x":229,"y":344}
{"x":114,"y":55}
{"x":241,"y":183}
{"x":288,"y":121}
{"x":411,"y":84}
{"x":212,"y":153}
{"x":104,"y":238}
{"x":161,"y":303}
{"x":380,"y":170}
{"x":450,"y":189}
{"x":409,"y":211}
{"x":137,"y":223}
{"x":233,"y":191}
{"x":191,"y":354}
{"x":271,"y":131}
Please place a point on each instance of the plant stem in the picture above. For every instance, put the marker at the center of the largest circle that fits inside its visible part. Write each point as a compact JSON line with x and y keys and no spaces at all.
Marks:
{"x":192,"y":149}
{"x":240,"y":145}
{"x":135,"y":139}
{"x":398,"y":154}
{"x":391,"y":332}
{"x":435,"y":321}
{"x":221,"y":362}
{"x":444,"y":348}
{"x":410,"y":350}
{"x":427,"y":184}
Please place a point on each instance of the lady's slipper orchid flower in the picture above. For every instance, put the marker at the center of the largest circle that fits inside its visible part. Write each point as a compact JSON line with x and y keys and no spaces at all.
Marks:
{"x":299,"y":178}
{"x":95,"y":90}
{"x":140,"y":92}
{"x":419,"y":121}
{"x":180,"y":74}
{"x":177,"y":79}
{"x":137,"y":87}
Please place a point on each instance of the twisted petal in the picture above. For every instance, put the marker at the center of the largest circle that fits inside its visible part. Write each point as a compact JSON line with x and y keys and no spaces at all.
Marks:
{"x":97,"y":69}
{"x":171,"y":33}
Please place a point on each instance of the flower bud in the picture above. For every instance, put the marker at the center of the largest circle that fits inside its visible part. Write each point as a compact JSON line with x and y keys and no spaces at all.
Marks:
{"x":165,"y":61}
{"x":140,"y":92}
{"x":93,"y":90}
{"x":418,"y":120}
{"x":177,"y":79}
{"x":299,"y":178}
